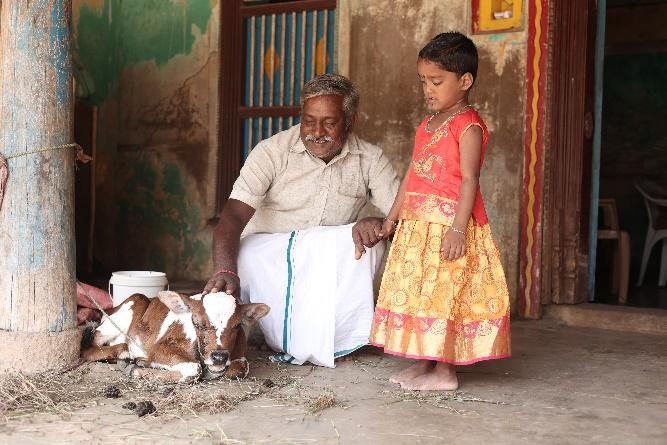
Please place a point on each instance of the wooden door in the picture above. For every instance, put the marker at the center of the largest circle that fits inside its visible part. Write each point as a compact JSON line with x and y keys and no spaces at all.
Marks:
{"x":568,"y":172}
{"x":268,"y":51}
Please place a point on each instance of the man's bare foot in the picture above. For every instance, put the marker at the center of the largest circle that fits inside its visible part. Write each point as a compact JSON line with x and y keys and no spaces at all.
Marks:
{"x":442,"y":377}
{"x":419,"y":368}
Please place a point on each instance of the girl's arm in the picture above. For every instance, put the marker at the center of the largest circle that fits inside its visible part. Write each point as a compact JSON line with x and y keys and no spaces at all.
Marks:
{"x":396,"y":208}
{"x":470,"y":148}
{"x":392,"y":217}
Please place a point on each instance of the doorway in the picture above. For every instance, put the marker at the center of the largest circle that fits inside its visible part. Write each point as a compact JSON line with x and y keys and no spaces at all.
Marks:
{"x":569,"y":142}
{"x":633,"y":155}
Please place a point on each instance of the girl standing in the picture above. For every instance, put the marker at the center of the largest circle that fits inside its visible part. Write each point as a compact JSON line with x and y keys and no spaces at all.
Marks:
{"x":443,"y":298}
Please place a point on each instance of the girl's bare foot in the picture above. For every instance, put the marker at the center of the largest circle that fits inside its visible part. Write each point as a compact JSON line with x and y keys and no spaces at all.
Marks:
{"x":419,"y":368}
{"x":442,"y":377}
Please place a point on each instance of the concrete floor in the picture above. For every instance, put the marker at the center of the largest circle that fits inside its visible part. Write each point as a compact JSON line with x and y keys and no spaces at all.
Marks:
{"x":562,"y":386}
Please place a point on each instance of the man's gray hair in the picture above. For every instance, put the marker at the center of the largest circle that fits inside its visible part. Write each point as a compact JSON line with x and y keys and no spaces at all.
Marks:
{"x":336,"y":85}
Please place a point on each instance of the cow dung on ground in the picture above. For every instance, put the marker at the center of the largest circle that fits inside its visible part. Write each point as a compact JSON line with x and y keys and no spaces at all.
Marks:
{"x":111,"y":392}
{"x":140,"y":408}
{"x":101,"y":383}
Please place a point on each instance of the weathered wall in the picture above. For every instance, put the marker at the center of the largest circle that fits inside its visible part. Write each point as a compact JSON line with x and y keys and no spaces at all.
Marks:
{"x":386,"y":36}
{"x":155,"y":70}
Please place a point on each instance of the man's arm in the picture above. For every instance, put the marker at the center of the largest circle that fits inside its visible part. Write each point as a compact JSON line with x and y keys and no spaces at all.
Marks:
{"x":249,"y":190}
{"x":226,"y":239}
{"x":383,"y":183}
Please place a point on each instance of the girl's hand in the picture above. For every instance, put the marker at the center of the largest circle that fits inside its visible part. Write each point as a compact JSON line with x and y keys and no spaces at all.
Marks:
{"x":453,"y":246}
{"x":388,"y":228}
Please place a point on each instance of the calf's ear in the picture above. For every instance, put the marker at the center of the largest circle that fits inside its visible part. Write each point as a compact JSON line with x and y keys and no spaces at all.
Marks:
{"x":175,"y":302}
{"x":253,"y":312}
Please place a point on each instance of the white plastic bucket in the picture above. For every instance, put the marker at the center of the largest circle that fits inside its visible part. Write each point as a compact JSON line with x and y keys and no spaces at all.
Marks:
{"x":127,"y":282}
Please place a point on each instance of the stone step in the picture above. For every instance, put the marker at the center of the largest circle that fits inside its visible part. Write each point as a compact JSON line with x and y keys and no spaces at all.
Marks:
{"x":605,"y":316}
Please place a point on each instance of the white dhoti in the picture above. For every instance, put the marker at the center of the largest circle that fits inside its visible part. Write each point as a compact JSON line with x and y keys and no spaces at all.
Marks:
{"x":321,"y":298}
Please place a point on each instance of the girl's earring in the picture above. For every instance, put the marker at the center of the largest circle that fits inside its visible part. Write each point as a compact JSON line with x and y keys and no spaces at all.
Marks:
{"x":467,"y":81}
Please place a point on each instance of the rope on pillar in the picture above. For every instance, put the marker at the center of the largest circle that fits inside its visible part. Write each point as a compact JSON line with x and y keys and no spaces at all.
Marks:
{"x":4,"y":167}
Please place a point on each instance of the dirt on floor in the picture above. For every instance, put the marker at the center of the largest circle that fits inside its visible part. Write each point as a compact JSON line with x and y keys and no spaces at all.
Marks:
{"x":562,"y":386}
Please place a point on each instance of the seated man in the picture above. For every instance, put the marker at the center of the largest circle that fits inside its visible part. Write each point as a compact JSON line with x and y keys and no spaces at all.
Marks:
{"x":287,"y":229}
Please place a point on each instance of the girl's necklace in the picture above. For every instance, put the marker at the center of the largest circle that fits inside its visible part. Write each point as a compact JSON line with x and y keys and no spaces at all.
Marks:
{"x":456,"y":113}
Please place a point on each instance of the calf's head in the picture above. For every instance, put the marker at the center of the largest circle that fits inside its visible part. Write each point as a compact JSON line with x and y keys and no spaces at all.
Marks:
{"x":220,"y":323}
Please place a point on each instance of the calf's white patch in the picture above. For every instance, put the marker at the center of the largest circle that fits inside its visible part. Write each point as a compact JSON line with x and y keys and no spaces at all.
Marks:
{"x":136,"y":349}
{"x":185,"y":319}
{"x":121,"y":318}
{"x":219,"y":309}
{"x":186,"y":369}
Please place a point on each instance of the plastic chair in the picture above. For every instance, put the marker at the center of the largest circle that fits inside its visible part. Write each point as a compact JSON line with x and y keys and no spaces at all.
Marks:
{"x":612,"y":231}
{"x":655,"y":198}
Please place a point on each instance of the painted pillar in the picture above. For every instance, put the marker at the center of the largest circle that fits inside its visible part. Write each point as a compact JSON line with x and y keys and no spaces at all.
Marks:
{"x":530,"y":256}
{"x":37,"y":264}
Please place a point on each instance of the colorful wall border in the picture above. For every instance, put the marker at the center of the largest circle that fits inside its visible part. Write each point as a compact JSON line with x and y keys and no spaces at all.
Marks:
{"x":531,"y":202}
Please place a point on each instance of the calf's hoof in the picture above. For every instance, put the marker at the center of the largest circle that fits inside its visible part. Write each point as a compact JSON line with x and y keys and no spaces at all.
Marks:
{"x":122,"y":364}
{"x":237,"y":369}
{"x":131,"y":370}
{"x":142,"y":362}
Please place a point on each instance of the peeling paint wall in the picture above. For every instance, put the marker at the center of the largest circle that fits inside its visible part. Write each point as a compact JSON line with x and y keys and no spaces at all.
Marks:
{"x":154,"y":64}
{"x":385,"y":38}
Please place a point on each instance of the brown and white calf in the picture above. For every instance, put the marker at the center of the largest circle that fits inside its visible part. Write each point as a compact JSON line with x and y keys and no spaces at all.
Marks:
{"x":176,"y":337}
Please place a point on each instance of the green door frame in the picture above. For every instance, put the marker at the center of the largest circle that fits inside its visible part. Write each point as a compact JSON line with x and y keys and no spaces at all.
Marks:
{"x":597,"y":141}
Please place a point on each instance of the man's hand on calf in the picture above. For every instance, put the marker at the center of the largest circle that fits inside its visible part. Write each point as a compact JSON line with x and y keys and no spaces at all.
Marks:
{"x":223,"y":281}
{"x":366,"y":233}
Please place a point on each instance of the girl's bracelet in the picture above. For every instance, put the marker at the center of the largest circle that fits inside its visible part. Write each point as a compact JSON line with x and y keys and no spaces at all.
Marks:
{"x":457,"y":230}
{"x":395,"y":223}
{"x":230,"y":272}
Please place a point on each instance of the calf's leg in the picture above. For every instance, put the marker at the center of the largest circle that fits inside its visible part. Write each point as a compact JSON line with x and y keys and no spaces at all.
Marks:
{"x":157,"y":374}
{"x":237,"y":369}
{"x":166,"y":364}
{"x":108,"y":353}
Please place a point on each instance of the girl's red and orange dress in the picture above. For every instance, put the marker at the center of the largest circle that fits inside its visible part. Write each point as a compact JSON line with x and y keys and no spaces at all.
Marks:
{"x":429,"y":308}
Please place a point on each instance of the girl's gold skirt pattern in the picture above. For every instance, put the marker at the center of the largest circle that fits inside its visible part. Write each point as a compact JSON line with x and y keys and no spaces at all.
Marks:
{"x":451,"y":311}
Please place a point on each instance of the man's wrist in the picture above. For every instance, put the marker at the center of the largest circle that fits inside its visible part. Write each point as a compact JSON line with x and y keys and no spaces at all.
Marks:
{"x":228,"y":271}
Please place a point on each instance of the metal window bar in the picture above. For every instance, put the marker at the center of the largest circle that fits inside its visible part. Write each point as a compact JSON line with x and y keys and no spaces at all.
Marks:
{"x":283,"y":50}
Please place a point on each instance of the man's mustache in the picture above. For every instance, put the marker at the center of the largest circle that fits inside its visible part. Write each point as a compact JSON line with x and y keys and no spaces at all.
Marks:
{"x":322,"y":140}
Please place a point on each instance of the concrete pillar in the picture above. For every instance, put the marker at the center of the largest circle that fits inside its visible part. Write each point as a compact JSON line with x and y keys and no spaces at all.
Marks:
{"x":37,"y":263}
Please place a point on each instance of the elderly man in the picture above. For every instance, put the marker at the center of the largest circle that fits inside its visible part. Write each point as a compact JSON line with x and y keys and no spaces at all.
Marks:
{"x":286,"y":236}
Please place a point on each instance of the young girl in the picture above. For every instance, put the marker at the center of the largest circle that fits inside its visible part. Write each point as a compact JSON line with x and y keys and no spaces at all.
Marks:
{"x":443,"y":298}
